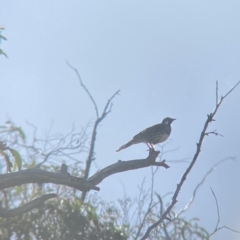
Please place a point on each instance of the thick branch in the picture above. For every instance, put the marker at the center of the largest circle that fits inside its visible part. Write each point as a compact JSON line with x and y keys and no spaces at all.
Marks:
{"x":4,"y":213}
{"x":34,"y":175}
{"x":122,"y":166}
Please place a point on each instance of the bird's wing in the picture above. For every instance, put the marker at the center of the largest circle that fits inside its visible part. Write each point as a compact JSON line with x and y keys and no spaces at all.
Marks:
{"x":146,"y":132}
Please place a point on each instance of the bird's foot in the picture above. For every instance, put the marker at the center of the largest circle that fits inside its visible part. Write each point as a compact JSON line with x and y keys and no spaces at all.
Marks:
{"x":153,"y":154}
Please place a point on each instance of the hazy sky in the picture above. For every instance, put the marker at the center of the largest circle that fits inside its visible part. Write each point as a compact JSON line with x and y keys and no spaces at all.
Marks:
{"x":164,"y":56}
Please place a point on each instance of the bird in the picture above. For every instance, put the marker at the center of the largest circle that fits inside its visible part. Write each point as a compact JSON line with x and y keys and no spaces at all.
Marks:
{"x":155,"y":134}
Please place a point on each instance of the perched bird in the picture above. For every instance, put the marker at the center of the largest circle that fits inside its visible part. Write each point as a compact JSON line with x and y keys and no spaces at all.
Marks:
{"x":152,"y":135}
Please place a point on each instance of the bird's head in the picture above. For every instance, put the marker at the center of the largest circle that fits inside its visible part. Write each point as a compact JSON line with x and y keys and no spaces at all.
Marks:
{"x":168,"y":120}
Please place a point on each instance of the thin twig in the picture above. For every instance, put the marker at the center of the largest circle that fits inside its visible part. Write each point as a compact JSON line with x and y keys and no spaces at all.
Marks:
{"x":161,"y":212}
{"x":149,"y":207}
{"x":214,"y":133}
{"x":218,"y":214}
{"x":218,"y":221}
{"x":229,"y":229}
{"x":107,"y":109}
{"x":84,"y":87}
{"x":200,"y":184}
{"x":231,"y":90}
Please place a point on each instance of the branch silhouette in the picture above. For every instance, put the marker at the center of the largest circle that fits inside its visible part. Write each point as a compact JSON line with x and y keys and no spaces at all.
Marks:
{"x":217,"y":228}
{"x":122,"y":166}
{"x":195,"y":157}
{"x":106,"y":110}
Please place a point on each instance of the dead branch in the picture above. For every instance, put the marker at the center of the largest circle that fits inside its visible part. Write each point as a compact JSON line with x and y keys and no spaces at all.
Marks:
{"x":37,"y":202}
{"x":218,"y":220}
{"x":35,"y":175}
{"x":90,"y":158}
{"x":106,"y":110}
{"x":122,"y":166}
{"x":84,"y":87}
{"x":214,"y":133}
{"x":94,"y":134}
{"x":200,"y":184}
{"x":218,"y":214}
{"x":198,"y":150}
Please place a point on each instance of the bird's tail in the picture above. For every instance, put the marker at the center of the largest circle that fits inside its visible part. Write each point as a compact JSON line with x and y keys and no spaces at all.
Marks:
{"x":128,"y":144}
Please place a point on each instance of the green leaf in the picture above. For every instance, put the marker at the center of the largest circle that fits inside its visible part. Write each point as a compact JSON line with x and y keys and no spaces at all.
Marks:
{"x":22,"y":134}
{"x":8,"y":163}
{"x":17,"y":158}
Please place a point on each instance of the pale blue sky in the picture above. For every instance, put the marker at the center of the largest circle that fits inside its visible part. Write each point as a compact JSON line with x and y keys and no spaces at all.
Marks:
{"x":164,"y":56}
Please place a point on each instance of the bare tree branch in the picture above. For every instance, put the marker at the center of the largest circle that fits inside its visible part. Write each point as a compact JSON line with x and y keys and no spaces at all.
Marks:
{"x":84,"y":87}
{"x":218,"y":220}
{"x":122,"y":166}
{"x":90,"y":157}
{"x":198,"y":150}
{"x":218,"y":214}
{"x":94,"y":134}
{"x":37,"y":202}
{"x":200,"y":184}
{"x":214,"y":133}
{"x":34,"y":175}
{"x":228,"y":92}
{"x":106,"y":110}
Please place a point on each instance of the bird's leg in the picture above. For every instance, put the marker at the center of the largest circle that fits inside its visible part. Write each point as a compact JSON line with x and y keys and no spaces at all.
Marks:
{"x":152,"y":146}
{"x":149,"y":145}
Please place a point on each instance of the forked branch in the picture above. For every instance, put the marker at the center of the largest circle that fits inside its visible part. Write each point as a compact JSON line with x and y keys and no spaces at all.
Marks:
{"x":106,"y":110}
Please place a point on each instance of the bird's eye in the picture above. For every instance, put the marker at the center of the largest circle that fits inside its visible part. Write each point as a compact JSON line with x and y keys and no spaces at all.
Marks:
{"x":166,"y":122}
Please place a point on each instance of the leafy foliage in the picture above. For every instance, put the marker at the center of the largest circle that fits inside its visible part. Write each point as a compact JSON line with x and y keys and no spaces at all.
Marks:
{"x":63,"y":219}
